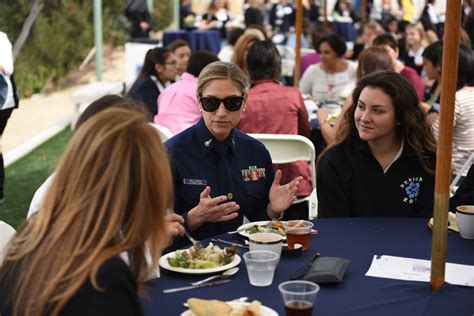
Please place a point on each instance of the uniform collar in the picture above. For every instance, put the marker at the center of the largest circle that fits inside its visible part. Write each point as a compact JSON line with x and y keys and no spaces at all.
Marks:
{"x":207,"y":141}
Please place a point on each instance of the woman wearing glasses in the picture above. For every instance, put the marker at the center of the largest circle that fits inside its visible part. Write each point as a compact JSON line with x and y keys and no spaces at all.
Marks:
{"x":158,"y":71}
{"x":220,"y":174}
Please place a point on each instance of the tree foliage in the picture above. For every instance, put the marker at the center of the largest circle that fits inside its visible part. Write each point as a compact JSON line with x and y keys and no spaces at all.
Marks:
{"x":63,"y":35}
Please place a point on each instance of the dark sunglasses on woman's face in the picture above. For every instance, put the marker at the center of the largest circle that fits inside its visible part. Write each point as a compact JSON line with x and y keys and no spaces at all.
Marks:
{"x":211,"y":104}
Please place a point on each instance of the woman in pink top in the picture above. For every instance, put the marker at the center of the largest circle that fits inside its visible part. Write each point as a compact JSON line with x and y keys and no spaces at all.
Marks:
{"x":178,"y":107}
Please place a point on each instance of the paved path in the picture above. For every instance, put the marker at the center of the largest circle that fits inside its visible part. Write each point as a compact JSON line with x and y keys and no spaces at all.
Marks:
{"x":42,"y":116}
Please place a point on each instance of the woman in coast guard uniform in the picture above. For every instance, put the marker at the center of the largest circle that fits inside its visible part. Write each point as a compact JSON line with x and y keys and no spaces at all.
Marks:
{"x":221,"y":174}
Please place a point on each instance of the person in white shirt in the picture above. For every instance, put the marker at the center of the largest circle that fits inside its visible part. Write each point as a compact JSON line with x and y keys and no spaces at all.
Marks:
{"x":333,"y":78}
{"x":9,"y":98}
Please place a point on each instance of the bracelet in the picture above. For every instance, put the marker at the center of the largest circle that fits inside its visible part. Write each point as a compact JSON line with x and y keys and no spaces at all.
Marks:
{"x":280,"y":215}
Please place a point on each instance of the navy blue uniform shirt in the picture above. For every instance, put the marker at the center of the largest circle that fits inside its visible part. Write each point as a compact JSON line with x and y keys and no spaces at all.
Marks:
{"x":194,"y":162}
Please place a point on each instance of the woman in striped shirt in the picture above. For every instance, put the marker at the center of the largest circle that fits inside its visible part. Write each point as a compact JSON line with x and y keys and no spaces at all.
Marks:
{"x":463,"y":133}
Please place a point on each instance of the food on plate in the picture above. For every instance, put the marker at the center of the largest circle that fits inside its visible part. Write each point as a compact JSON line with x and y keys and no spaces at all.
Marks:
{"x":219,"y":308}
{"x":252,"y":309}
{"x":213,"y":257}
{"x":208,"y":307}
{"x":270,"y":227}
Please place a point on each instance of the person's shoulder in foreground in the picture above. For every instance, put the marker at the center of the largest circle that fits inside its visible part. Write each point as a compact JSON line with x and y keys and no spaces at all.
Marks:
{"x":119,"y":295}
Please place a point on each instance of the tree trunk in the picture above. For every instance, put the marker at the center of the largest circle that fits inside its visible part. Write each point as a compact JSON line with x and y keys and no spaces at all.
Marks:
{"x":25,"y":30}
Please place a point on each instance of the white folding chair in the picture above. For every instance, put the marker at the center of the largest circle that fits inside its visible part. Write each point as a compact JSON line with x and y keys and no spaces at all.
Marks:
{"x":455,"y":183}
{"x":6,"y":233}
{"x":164,"y":133}
{"x":286,"y":148}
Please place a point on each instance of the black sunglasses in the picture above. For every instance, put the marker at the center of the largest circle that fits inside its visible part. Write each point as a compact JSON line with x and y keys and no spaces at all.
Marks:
{"x":211,"y":104}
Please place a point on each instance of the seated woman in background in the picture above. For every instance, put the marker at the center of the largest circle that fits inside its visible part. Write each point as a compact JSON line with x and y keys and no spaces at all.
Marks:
{"x":221,"y":174}
{"x":370,"y":31}
{"x":216,"y":17}
{"x":463,"y":129}
{"x":333,"y":78}
{"x":416,"y":42}
{"x":382,"y":163}
{"x":109,"y":196}
{"x":276,"y":109}
{"x":158,"y":71}
{"x":178,"y":107}
{"x":371,"y":60}
{"x":182,"y":52}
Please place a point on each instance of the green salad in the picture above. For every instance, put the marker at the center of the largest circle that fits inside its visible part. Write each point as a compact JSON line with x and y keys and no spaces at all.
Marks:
{"x":276,"y":227}
{"x":213,"y":257}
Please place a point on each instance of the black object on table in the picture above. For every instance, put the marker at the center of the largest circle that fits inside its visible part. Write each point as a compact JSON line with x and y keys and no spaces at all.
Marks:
{"x":356,"y":239}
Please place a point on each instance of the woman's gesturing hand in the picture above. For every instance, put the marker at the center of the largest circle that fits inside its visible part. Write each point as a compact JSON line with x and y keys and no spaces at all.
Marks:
{"x":211,"y":210}
{"x":282,"y":196}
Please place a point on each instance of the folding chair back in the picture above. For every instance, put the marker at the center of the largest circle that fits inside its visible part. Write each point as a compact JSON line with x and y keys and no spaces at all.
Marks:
{"x":164,"y":133}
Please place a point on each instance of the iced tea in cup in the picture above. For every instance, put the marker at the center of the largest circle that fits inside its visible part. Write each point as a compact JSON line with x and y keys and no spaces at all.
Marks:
{"x":298,"y":297}
{"x":297,"y":232}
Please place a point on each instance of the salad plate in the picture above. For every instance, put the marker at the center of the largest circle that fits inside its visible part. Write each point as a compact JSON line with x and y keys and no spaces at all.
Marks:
{"x":261,"y":227}
{"x":181,"y":261}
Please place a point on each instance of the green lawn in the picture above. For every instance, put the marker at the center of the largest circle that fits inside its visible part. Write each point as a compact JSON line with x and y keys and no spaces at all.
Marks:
{"x":24,"y":176}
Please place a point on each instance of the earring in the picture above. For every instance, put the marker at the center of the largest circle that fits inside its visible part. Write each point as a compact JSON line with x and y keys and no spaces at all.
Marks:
{"x":398,"y":123}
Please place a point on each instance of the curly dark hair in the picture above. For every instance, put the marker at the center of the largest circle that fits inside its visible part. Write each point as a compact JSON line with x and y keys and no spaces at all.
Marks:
{"x":412,"y":127}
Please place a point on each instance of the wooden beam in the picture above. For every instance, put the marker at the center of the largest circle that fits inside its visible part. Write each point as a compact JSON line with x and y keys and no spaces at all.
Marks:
{"x":449,"y":73}
{"x":298,"y":31}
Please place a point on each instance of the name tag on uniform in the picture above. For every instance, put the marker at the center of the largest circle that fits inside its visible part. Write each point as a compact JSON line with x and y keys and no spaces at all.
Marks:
{"x":195,"y":182}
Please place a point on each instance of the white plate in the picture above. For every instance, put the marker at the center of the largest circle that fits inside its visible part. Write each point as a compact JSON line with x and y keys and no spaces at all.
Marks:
{"x":264,"y":310}
{"x":165,"y":265}
{"x":243,"y":227}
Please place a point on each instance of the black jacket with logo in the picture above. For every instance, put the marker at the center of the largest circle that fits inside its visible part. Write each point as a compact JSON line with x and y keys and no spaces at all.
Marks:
{"x":351,"y":182}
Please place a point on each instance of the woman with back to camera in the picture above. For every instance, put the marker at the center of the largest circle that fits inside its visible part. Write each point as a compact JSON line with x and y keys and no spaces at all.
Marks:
{"x":273,"y":108}
{"x":158,"y":71}
{"x":110,"y":194}
{"x":221,"y":174}
{"x":382,"y":163}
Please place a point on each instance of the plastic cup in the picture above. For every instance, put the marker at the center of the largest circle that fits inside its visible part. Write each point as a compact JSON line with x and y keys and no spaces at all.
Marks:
{"x":266,"y":241}
{"x":298,"y":297}
{"x":261,"y":265}
{"x":298,"y":232}
{"x":465,"y":218}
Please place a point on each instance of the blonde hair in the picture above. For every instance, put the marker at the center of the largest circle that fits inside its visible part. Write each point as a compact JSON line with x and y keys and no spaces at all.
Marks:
{"x":242,"y":45}
{"x":221,"y":70}
{"x":109,"y":195}
{"x":424,"y":41}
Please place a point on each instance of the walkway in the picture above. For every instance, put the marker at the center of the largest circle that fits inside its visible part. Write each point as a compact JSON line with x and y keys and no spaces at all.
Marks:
{"x":43,"y":116}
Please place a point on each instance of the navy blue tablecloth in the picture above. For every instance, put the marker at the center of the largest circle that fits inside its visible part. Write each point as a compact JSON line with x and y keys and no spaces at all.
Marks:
{"x":209,"y":40}
{"x":346,"y":30}
{"x":356,"y":239}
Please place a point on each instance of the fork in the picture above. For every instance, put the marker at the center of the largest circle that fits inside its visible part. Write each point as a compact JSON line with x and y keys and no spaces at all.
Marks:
{"x":196,"y":244}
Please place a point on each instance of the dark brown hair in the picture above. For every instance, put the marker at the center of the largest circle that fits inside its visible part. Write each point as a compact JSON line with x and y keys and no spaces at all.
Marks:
{"x":412,"y":127}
